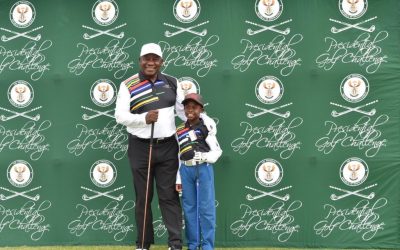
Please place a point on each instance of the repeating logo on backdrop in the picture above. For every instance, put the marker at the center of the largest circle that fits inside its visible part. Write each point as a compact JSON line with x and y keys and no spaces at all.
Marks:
{"x":20,"y":173}
{"x":268,"y":10}
{"x":187,"y":85}
{"x":103,"y":92}
{"x":353,"y":171}
{"x":103,"y":173}
{"x":269,"y":90}
{"x":268,"y":172}
{"x":105,"y":12}
{"x":22,"y":14}
{"x":20,"y":94}
{"x":353,"y":9}
{"x":354,"y":88}
{"x":186,"y":11}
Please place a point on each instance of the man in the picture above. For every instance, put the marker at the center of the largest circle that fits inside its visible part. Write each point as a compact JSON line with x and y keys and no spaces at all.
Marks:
{"x":143,"y":99}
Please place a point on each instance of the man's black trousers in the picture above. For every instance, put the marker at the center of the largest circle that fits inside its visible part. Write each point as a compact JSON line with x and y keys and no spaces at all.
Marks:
{"x":164,"y":166}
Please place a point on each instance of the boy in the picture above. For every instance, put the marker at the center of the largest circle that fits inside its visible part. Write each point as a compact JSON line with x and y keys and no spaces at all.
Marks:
{"x":198,"y":150}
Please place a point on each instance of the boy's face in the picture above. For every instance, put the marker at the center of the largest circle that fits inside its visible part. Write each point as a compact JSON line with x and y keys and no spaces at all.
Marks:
{"x":192,"y":110}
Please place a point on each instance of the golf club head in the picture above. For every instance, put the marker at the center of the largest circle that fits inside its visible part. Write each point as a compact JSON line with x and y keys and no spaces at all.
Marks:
{"x":36,"y":197}
{"x":4,"y":38}
{"x":3,"y":118}
{"x":120,"y":197}
{"x":287,"y":114}
{"x":250,"y":32}
{"x":36,"y":118}
{"x":334,"y":30}
{"x":249,"y":197}
{"x":2,"y":197}
{"x":334,"y":113}
{"x":85,"y":197}
{"x":167,"y":33}
{"x":333,"y":197}
{"x":372,"y":112}
{"x":37,"y":38}
{"x":372,"y":28}
{"x":203,"y":32}
{"x":286,"y":197}
{"x":371,"y":195}
{"x":286,"y":31}
{"x":121,"y":35}
{"x":85,"y":117}
{"x":86,"y":36}
{"x":249,"y":114}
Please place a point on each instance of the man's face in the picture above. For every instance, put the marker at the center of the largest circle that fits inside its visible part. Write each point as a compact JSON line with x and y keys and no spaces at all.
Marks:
{"x":192,"y":110}
{"x":150,"y":64}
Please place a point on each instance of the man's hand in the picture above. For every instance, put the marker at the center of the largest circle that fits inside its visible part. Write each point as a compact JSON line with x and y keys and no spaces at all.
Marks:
{"x":178,"y":188}
{"x":151,"y":116}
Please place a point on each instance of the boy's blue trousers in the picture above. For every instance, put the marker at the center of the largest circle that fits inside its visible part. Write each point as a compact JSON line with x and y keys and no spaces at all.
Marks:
{"x":198,"y":200}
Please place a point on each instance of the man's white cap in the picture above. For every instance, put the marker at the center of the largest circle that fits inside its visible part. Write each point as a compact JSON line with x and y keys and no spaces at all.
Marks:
{"x":151,"y":48}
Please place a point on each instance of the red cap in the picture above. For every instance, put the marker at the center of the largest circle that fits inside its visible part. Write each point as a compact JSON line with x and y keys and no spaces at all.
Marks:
{"x":193,"y":97}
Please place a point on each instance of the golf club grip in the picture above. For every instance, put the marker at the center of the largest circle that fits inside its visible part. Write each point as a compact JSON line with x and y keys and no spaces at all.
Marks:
{"x":152,"y":133}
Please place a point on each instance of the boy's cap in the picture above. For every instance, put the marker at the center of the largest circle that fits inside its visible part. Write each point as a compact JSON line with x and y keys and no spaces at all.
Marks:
{"x":193,"y":97}
{"x":151,"y":48}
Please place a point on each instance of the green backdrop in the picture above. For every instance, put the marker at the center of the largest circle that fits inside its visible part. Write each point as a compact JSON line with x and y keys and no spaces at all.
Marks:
{"x":305,"y":93}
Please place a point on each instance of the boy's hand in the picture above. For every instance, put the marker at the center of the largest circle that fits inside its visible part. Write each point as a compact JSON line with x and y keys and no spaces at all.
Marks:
{"x":178,"y":188}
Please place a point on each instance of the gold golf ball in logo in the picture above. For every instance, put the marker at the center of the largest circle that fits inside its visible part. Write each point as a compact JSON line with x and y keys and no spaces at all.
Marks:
{"x":353,"y":9}
{"x":20,"y":173}
{"x":105,"y":12}
{"x":186,"y":11}
{"x":22,"y":14}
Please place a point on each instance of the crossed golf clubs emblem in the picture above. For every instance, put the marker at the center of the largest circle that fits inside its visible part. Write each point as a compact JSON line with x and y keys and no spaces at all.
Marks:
{"x":22,"y":114}
{"x":355,"y":26}
{"x":98,"y":113}
{"x":180,"y":30}
{"x":271,"y":111}
{"x":263,"y":28}
{"x":356,"y":109}
{"x":271,"y":194}
{"x":107,"y":194}
{"x":104,"y":32}
{"x":22,"y":194}
{"x":4,"y":38}
{"x":347,"y":193}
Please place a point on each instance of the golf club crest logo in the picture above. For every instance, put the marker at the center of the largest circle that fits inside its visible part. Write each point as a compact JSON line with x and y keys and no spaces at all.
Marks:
{"x":104,"y":13}
{"x":186,"y":11}
{"x":354,"y":88}
{"x":22,"y":14}
{"x":268,"y":10}
{"x":353,"y":172}
{"x":20,"y":95}
{"x":187,"y":85}
{"x":353,"y":9}
{"x":103,"y":93}
{"x":20,"y":175}
{"x":268,"y":90}
{"x":268,"y":173}
{"x":103,"y":174}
